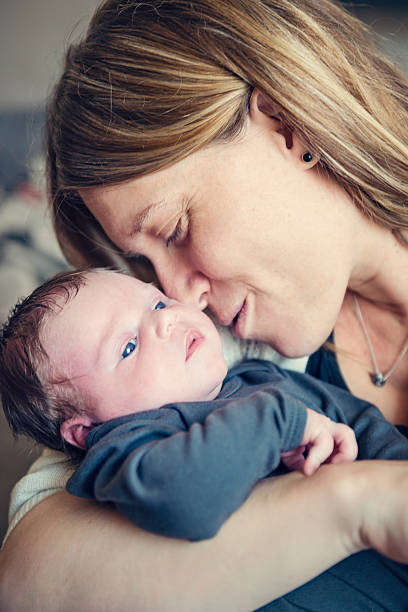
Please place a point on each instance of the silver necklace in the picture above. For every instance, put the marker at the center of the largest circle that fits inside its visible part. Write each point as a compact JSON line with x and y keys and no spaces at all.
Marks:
{"x":378,"y":378}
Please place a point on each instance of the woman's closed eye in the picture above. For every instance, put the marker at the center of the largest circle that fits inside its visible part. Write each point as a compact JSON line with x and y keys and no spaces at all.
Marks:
{"x":179,"y":233}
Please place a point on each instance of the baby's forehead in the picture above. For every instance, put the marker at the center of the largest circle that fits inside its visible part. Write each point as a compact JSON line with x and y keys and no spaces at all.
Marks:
{"x":100,"y":289}
{"x":111,"y":277}
{"x":78,"y":314}
{"x":101,"y":286}
{"x":105,"y":284}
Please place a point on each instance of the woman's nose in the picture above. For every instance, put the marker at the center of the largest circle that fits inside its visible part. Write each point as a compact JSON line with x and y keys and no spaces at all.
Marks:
{"x":181,"y":281}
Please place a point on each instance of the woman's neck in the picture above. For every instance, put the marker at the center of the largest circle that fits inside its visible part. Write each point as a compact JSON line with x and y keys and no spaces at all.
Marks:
{"x":380,"y":281}
{"x":380,"y":274}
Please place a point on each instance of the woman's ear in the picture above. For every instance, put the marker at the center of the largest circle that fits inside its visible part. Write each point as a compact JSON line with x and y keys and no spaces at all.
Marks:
{"x":267,"y":115}
{"x":75,"y":430}
{"x":263,"y":103}
{"x":264,"y":112}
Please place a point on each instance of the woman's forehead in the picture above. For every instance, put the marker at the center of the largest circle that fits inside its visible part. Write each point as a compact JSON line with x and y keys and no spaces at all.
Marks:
{"x":125,"y":213}
{"x":137,"y":195}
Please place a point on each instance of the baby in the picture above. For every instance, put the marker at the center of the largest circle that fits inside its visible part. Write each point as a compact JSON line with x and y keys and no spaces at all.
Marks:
{"x":135,"y":384}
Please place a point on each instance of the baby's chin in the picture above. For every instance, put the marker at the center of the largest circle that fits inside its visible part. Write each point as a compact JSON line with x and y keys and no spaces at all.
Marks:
{"x":213,"y":389}
{"x":213,"y":394}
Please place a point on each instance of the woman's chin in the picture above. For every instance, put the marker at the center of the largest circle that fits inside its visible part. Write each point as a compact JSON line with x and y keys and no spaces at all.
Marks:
{"x":292,"y":346}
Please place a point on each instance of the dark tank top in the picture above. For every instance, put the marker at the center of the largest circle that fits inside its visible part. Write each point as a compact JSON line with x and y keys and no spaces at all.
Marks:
{"x":323,"y":365}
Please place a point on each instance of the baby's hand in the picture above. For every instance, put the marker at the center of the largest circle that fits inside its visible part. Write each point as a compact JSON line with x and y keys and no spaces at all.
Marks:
{"x":324,"y":442}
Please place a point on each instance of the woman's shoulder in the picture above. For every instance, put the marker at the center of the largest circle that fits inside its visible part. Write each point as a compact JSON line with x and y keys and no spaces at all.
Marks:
{"x":47,"y":475}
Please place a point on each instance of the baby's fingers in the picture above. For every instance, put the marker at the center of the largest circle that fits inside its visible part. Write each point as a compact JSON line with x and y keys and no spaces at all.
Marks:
{"x":319,"y":451}
{"x":294,"y":459}
{"x":345,"y":444}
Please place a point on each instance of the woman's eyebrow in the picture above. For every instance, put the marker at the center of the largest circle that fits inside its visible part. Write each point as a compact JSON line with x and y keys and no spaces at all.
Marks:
{"x":140,"y":220}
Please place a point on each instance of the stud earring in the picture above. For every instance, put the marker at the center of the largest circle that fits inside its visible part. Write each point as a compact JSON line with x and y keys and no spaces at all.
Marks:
{"x":307,"y":157}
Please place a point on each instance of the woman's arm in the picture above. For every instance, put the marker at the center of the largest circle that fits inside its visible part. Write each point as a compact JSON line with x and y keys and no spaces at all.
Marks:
{"x":71,"y":554}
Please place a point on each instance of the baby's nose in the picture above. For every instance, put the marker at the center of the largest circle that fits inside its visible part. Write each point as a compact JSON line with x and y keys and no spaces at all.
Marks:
{"x":166,"y":319}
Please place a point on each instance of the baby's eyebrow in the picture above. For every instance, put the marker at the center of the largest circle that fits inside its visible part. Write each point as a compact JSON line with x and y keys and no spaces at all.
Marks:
{"x":106,"y":334}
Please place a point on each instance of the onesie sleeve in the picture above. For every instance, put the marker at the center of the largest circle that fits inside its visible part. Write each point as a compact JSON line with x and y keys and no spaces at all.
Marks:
{"x":376,"y":437}
{"x":180,"y":471}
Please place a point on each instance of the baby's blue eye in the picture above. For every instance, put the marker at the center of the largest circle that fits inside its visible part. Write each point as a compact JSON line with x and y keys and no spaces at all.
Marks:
{"x":159,"y":305}
{"x":130,"y":347}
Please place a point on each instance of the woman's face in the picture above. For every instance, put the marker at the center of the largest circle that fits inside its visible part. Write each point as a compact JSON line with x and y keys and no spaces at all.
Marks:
{"x":246,"y":228}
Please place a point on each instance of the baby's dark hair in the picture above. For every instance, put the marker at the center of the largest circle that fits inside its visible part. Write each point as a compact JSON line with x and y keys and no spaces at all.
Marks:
{"x":35,"y":405}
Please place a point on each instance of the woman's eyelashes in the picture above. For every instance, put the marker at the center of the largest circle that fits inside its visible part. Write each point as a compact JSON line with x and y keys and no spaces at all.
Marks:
{"x":179,"y":233}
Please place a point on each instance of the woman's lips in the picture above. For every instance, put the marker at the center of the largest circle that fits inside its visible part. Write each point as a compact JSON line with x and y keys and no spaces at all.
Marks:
{"x":229,"y":320}
{"x":236,"y":319}
{"x":239,"y":322}
{"x":194,"y":340}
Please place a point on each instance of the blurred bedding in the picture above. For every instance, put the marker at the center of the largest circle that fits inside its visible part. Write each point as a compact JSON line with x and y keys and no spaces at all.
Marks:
{"x":29,"y":254}
{"x":28,"y":249}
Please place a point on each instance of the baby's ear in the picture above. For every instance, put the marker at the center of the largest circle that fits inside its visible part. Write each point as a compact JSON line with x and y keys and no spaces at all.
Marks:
{"x":75,"y":430}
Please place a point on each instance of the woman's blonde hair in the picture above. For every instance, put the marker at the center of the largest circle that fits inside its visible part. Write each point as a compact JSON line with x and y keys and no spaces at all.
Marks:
{"x":154,"y":81}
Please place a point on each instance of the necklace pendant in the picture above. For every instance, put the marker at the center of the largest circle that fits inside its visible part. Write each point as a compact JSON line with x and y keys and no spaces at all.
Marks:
{"x":378,"y":379}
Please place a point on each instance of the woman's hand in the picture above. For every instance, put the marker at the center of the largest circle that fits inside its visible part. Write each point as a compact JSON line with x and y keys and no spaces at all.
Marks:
{"x":381,"y":490}
{"x":324,"y":441}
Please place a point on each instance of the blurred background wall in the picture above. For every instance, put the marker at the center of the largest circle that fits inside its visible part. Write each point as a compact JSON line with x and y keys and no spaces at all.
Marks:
{"x":33,"y":37}
{"x":34,"y":33}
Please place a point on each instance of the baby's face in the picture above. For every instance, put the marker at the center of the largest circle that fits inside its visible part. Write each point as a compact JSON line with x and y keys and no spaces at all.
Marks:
{"x":127,"y":347}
